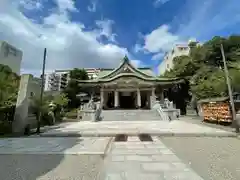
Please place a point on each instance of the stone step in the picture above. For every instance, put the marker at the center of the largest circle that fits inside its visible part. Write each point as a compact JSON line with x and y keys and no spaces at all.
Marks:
{"x":130,"y":115}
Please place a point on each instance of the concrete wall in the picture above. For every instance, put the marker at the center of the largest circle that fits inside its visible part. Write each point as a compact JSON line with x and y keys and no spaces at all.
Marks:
{"x":10,"y":56}
{"x":29,"y":86}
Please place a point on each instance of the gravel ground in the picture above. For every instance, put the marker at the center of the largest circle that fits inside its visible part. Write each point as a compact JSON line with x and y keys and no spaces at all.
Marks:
{"x":211,"y":158}
{"x":197,"y":120}
{"x":50,"y":167}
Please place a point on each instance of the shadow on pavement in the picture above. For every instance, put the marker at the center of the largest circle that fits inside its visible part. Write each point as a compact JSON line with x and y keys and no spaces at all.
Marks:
{"x":31,"y":165}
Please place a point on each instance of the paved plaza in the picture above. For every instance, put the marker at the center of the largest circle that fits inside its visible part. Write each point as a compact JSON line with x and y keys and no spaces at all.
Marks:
{"x":111,"y":128}
{"x":136,"y":160}
{"x":105,"y":158}
{"x":90,"y":151}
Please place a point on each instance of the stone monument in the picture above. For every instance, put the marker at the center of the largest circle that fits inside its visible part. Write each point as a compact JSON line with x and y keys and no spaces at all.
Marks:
{"x":23,"y":118}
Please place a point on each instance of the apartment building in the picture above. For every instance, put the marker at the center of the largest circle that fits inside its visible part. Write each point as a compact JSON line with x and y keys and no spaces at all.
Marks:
{"x":10,"y":56}
{"x":167,"y":62}
{"x":58,"y":80}
{"x":51,"y":82}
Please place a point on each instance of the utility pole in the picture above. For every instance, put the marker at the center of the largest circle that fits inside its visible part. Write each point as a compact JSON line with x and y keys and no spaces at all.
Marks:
{"x":235,"y":121}
{"x":41,"y":92}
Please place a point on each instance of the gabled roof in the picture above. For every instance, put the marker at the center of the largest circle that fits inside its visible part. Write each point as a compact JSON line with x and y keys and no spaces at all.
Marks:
{"x":122,"y":75}
{"x":125,"y":67}
{"x":127,"y":70}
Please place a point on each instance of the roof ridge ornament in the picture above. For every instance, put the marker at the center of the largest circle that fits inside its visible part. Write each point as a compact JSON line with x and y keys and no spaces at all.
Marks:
{"x":125,"y":59}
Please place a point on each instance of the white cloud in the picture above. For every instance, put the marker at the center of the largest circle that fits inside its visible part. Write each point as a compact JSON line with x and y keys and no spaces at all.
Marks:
{"x":137,"y":48}
{"x":158,"y":56}
{"x":157,"y":3}
{"x":198,"y":20}
{"x":30,"y":4}
{"x":105,"y":29}
{"x":160,"y":39}
{"x":136,"y":63}
{"x":68,"y":44}
{"x":92,"y":7}
{"x":206,"y":18}
{"x":157,"y":42}
{"x":64,"y":5}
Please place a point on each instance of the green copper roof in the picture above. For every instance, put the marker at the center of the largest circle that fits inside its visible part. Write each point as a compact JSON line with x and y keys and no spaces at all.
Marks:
{"x":104,"y":72}
{"x":146,"y":71}
{"x":152,"y":79}
{"x":126,"y":69}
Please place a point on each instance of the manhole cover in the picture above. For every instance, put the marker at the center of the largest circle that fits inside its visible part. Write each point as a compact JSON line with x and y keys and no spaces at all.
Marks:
{"x":121,"y":138}
{"x":145,"y":137}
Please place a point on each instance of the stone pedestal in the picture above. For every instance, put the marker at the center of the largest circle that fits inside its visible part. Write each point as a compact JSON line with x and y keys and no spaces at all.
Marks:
{"x":88,"y":115}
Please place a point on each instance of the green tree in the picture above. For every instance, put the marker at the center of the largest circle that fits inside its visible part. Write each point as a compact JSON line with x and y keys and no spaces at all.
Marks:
{"x":204,"y":67}
{"x":73,"y":87}
{"x":61,"y":100}
{"x":9,"y":82}
{"x":184,"y":66}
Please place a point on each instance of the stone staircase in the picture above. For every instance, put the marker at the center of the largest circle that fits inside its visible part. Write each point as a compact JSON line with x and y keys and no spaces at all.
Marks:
{"x":130,"y":115}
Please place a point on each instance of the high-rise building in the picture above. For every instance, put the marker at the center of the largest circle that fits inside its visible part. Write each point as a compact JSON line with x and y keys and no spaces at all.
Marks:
{"x":58,"y":80}
{"x":10,"y":56}
{"x":167,"y":62}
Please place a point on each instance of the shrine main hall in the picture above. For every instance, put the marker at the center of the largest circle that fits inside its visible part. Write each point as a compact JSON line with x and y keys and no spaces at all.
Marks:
{"x":127,"y":87}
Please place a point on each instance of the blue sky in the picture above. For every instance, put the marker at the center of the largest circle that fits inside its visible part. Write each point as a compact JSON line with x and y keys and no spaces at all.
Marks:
{"x":98,"y":33}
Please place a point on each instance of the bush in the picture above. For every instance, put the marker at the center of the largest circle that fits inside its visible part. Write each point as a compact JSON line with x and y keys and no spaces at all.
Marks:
{"x":7,"y":117}
{"x":5,"y":127}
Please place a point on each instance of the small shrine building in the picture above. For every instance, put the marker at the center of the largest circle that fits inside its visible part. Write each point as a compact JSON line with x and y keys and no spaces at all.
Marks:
{"x":127,"y":87}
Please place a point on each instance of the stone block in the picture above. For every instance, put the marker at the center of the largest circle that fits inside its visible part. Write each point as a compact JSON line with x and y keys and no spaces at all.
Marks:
{"x":134,"y":167}
{"x":165,"y":151}
{"x":142,"y":176}
{"x":156,"y":167}
{"x":140,"y":158}
{"x":165,"y":158}
{"x":118,"y":158}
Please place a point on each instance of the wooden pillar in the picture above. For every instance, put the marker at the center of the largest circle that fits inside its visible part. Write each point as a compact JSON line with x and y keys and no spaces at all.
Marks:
{"x":102,"y":96}
{"x":153,"y":97}
{"x":116,"y":99}
{"x":138,"y":98}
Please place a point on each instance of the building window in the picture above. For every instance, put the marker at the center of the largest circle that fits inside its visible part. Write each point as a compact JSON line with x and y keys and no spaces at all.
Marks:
{"x":167,"y":66}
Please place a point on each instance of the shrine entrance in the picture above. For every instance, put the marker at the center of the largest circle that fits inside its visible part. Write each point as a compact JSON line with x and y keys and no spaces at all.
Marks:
{"x":110,"y":100}
{"x":127,"y":100}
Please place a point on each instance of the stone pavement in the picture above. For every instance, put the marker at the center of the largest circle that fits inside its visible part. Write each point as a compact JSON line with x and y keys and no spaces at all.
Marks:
{"x":69,"y":145}
{"x":136,"y":160}
{"x":111,"y":128}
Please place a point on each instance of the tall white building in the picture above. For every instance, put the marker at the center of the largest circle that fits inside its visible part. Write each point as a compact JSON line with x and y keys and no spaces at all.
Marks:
{"x":10,"y":56}
{"x":167,"y":62}
{"x":58,"y":80}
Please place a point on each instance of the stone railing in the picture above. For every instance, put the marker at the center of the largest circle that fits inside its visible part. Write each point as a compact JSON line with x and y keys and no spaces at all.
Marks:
{"x":166,"y":111}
